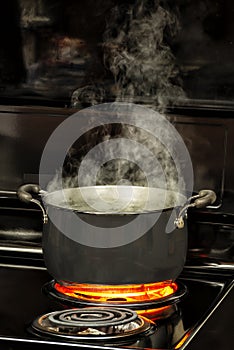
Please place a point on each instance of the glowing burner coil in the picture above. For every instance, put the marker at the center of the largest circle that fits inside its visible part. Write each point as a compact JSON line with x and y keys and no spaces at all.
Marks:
{"x":154,"y":301}
{"x":119,"y":293}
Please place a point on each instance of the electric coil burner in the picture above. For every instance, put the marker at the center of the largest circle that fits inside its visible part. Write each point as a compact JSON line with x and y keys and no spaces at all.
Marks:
{"x":91,"y":324}
{"x":154,"y":300}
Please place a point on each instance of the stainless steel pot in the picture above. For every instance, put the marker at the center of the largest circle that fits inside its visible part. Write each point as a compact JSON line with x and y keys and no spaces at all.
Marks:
{"x":79,"y":245}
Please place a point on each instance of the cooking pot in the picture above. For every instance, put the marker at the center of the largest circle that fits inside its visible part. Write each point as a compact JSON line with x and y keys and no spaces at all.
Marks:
{"x":114,"y":234}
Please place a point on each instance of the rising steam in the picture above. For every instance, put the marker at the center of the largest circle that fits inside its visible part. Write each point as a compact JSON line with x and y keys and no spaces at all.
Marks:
{"x":137,"y":52}
{"x":138,"y":55}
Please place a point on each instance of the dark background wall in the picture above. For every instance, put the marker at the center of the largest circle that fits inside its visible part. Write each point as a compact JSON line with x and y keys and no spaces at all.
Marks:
{"x":50,"y":49}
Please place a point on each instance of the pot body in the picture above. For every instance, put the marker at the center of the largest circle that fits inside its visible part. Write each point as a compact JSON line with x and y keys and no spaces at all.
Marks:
{"x":153,"y":257}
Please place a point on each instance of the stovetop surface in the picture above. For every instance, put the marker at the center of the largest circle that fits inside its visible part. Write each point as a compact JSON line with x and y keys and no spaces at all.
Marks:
{"x":23,"y":300}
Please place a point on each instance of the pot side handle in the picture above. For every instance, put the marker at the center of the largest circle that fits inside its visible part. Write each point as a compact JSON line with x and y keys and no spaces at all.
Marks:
{"x":24,"y":194}
{"x":201,"y":200}
{"x":204,"y":198}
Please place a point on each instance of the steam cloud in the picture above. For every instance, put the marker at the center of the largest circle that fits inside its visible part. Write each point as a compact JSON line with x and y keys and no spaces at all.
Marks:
{"x":127,"y":161}
{"x":137,"y":53}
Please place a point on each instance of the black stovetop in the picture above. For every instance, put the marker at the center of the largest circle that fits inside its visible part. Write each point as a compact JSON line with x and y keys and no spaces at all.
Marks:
{"x":23,"y":300}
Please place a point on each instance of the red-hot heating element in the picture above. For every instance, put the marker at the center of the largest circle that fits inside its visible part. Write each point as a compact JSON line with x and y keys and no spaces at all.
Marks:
{"x":122,"y":294}
{"x":118,"y":293}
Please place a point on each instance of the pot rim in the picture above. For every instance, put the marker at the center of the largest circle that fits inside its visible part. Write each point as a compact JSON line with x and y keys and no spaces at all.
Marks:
{"x":47,"y":195}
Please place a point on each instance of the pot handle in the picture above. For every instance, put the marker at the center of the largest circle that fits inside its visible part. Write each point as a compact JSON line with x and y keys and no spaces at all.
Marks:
{"x":24,"y":194}
{"x":201,"y":200}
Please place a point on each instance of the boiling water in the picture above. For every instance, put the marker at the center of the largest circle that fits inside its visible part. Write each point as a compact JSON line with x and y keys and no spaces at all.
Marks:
{"x":115,"y":199}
